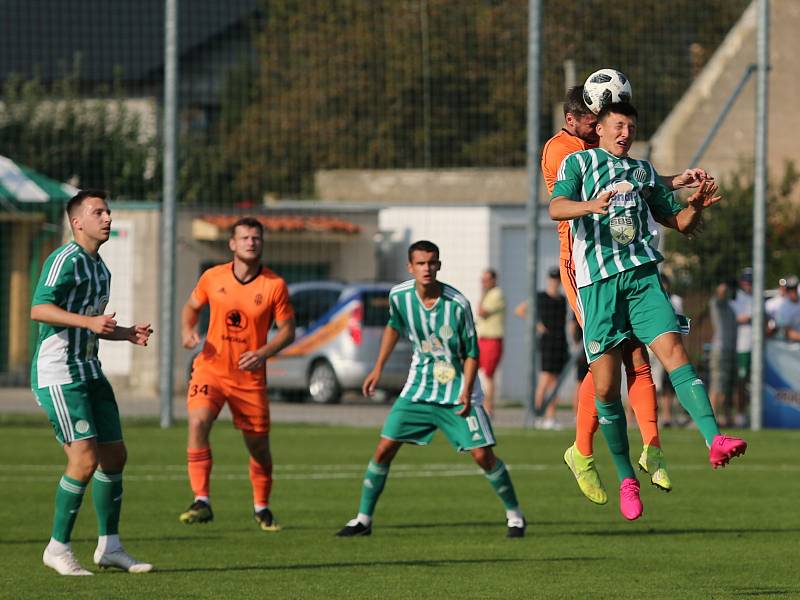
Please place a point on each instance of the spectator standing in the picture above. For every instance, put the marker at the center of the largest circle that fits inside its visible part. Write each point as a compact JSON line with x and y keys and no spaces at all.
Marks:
{"x":490,"y":326}
{"x":742,"y":305}
{"x":723,"y":351}
{"x":783,"y":312}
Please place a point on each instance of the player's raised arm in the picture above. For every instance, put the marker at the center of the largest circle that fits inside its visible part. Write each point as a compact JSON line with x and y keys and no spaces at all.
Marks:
{"x":388,"y":342}
{"x":687,"y":220}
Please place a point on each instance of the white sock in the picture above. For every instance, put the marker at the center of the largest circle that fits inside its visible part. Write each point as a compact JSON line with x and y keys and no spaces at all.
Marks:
{"x":514,"y":514}
{"x":108,"y":543}
{"x":56,"y":547}
{"x":364,"y":519}
{"x":260,"y":507}
{"x":203,"y":499}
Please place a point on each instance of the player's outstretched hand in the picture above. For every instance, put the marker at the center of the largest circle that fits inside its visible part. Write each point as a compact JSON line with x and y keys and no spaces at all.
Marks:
{"x":691,"y":178}
{"x":705,"y":196}
{"x":103,"y":324}
{"x":370,"y":383}
{"x":139,"y":334}
{"x":466,"y":402}
{"x":251,"y":361}
{"x":599,"y":205}
{"x":190,"y":339}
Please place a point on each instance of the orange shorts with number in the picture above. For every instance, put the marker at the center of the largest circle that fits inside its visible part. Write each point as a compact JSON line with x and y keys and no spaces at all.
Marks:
{"x":249,"y":406}
{"x":570,"y":288}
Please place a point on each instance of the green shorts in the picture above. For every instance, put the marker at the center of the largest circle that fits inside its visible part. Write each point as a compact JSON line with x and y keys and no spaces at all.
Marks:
{"x":743,"y":365}
{"x":81,"y":410}
{"x":416,"y":422}
{"x":626,"y":305}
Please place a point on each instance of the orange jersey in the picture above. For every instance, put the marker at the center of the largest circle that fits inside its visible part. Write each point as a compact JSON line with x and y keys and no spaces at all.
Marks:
{"x":241,"y":316}
{"x":555,"y":150}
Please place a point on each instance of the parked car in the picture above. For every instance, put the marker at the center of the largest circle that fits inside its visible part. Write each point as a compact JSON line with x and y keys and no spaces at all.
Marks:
{"x":339,"y":328}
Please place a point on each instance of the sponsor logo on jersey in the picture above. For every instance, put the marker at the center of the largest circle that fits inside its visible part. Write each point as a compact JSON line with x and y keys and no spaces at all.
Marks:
{"x":623,"y":230}
{"x":258,"y":299}
{"x":476,"y":436}
{"x":236,"y":320}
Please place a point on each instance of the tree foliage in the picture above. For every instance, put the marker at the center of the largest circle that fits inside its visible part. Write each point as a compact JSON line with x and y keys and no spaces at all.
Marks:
{"x":97,"y":142}
{"x":725,"y":244}
{"x":441,"y":83}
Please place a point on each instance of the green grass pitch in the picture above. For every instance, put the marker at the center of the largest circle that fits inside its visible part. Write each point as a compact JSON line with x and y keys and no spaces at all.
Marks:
{"x":439,"y":530}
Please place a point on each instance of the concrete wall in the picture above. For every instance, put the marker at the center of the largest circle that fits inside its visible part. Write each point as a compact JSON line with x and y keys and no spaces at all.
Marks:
{"x":684,"y":130}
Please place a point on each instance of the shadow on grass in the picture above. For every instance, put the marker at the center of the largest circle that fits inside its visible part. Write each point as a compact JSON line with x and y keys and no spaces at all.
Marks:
{"x":126,"y":539}
{"x":675,"y":531}
{"x":793,"y":591}
{"x":375,"y":563}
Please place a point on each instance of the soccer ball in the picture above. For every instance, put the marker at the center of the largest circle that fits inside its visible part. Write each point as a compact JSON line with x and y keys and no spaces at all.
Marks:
{"x":604,"y":87}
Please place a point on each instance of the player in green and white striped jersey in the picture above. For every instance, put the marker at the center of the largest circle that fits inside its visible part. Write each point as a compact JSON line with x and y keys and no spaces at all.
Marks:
{"x":441,"y":391}
{"x":69,"y":304}
{"x":613,"y":202}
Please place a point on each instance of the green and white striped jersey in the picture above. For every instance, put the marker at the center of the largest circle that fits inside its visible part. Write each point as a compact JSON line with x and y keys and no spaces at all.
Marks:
{"x":626,"y":237}
{"x":75,"y":281}
{"x":443,"y":336}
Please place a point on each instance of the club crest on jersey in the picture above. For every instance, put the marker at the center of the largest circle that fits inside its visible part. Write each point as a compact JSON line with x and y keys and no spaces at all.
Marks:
{"x":446,"y":332}
{"x":594,"y":346}
{"x":640,"y":175}
{"x":258,"y":299}
{"x":622,"y":229}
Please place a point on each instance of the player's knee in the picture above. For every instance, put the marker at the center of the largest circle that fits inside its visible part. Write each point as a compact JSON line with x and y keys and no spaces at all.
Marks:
{"x":485,"y":458}
{"x":606,"y":390}
{"x":385,"y":452}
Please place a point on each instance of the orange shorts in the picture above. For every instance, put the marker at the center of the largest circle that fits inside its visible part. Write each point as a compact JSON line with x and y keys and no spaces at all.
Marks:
{"x":570,"y":287}
{"x":249,"y":406}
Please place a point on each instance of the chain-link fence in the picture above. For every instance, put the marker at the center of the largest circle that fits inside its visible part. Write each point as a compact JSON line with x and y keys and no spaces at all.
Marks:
{"x":353,"y":128}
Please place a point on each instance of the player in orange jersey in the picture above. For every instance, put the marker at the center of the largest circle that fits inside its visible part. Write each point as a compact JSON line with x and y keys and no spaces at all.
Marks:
{"x":579,"y":134}
{"x":245,"y":300}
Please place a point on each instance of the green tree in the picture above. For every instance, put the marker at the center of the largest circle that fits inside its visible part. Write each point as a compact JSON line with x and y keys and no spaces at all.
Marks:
{"x":97,"y":142}
{"x":725,"y":244}
{"x":441,"y":83}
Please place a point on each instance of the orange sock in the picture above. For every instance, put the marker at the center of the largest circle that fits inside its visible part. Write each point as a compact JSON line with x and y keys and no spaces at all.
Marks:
{"x":642,"y":397}
{"x":586,"y":419}
{"x":261,"y":479}
{"x":200,"y":463}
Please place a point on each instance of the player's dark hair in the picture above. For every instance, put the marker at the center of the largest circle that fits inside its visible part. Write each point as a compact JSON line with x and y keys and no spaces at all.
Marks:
{"x":423,"y":246}
{"x":574,"y":104}
{"x":492,"y":273}
{"x":251,"y":222}
{"x":618,"y":108}
{"x":78,"y":199}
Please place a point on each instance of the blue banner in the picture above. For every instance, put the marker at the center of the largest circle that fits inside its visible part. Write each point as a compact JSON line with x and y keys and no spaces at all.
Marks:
{"x":781,"y":384}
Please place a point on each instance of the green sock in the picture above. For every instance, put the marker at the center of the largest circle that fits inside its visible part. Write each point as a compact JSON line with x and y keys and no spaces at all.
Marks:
{"x":69,"y":496}
{"x":614,"y":426}
{"x":374,"y":480}
{"x":500,"y":480}
{"x":692,"y":395}
{"x":107,"y":498}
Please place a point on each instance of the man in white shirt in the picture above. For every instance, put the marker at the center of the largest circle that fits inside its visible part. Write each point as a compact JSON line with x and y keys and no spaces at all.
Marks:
{"x":742,"y":305}
{"x":783,"y":312}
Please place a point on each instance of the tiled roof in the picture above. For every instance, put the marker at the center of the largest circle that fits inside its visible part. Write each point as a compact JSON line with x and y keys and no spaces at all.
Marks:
{"x":285,"y":223}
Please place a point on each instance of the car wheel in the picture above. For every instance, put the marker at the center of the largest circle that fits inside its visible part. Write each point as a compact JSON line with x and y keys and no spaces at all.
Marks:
{"x":323,"y":386}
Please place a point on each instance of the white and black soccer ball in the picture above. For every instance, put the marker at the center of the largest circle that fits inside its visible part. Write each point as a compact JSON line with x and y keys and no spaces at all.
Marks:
{"x":604,"y":87}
